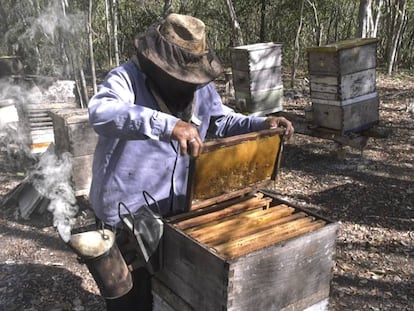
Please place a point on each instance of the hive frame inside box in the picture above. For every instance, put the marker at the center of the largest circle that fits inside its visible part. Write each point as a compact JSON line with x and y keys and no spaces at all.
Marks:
{"x":293,"y":274}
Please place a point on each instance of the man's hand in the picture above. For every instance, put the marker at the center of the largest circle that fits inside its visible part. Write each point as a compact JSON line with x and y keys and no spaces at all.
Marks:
{"x":274,"y":122}
{"x":188,"y":138}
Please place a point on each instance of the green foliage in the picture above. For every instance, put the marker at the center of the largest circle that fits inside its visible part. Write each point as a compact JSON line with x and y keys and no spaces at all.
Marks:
{"x":44,"y":35}
{"x":49,"y":38}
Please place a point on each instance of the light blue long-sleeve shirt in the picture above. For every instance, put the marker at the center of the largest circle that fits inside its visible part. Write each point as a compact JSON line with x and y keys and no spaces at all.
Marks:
{"x":135,"y":152}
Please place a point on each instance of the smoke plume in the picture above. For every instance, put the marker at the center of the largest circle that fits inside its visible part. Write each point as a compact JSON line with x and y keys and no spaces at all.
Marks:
{"x":52,"y":178}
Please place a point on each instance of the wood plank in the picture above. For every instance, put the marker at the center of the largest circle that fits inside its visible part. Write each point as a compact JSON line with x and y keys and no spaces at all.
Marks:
{"x":320,"y":63}
{"x":265,"y":79}
{"x":261,"y":100}
{"x":324,"y":84}
{"x":350,"y":118}
{"x":73,"y":132}
{"x":219,"y":143}
{"x":342,"y":45}
{"x":256,"y":56}
{"x":358,"y":84}
{"x":231,"y":210}
{"x":236,"y":250}
{"x":165,"y":299}
{"x":325,"y":96}
{"x":305,"y":127}
{"x":346,"y":102}
{"x":234,"y":222}
{"x":197,"y":205}
{"x":247,"y":229}
{"x":343,"y":61}
{"x":272,"y":278}
{"x":235,"y":219}
{"x":358,"y":58}
{"x":82,"y":173}
{"x":200,"y":285}
{"x":28,"y":200}
{"x":213,"y":207}
{"x":257,"y":238}
{"x":343,"y":87}
{"x":265,"y":279}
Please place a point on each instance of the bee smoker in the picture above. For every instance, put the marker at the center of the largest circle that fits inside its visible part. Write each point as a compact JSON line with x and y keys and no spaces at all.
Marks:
{"x":98,"y":250}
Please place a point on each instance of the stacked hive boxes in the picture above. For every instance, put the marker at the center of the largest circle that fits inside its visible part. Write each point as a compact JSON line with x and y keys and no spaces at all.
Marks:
{"x":257,"y":78}
{"x":74,"y":134}
{"x":343,"y":85}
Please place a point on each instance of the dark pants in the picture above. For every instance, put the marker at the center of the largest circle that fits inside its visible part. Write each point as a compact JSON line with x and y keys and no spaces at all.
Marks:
{"x":139,"y":298}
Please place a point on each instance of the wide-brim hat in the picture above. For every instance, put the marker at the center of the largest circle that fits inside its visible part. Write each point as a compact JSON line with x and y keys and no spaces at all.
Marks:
{"x":178,"y":46}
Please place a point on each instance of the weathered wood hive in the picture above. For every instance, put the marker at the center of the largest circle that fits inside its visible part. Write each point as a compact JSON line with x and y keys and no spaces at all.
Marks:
{"x":74,"y":134}
{"x":239,"y":247}
{"x":257,"y":78}
{"x":343,"y":85}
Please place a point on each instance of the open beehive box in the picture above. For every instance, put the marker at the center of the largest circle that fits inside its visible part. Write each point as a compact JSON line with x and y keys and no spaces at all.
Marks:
{"x":239,"y":247}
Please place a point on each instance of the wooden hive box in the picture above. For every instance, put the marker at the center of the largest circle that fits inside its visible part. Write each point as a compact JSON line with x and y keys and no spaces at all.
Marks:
{"x":352,"y":115}
{"x":74,"y":134}
{"x":257,"y":78}
{"x":239,"y":247}
{"x":343,"y":85}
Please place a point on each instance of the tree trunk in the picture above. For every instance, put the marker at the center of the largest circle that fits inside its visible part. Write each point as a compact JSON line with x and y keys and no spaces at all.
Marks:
{"x":84,"y":86}
{"x":376,"y":17}
{"x":318,"y":25}
{"x":115,"y":28}
{"x":66,"y":67}
{"x":262,"y":21}
{"x":108,"y":32}
{"x":400,"y":19}
{"x":365,"y":22}
{"x":297,"y":46}
{"x":90,"y":43}
{"x":237,"y":33}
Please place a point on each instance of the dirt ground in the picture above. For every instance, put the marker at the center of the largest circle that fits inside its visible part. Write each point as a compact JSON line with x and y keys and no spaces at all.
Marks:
{"x":369,"y":192}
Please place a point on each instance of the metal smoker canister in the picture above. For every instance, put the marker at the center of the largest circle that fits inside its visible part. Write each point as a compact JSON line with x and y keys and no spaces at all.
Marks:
{"x":98,"y":250}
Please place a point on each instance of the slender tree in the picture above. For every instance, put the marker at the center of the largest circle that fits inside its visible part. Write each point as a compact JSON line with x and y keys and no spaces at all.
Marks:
{"x":318,"y":26}
{"x":263,"y":21}
{"x":237,"y":33}
{"x":365,"y":19}
{"x":115,"y":28}
{"x":398,"y":19}
{"x":108,"y":32}
{"x":90,"y":44}
{"x":297,"y":45}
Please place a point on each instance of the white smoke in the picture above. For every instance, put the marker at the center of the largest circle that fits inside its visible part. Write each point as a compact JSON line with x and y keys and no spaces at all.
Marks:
{"x":52,"y":39}
{"x":49,"y":40}
{"x":51,"y":177}
{"x":14,"y":136}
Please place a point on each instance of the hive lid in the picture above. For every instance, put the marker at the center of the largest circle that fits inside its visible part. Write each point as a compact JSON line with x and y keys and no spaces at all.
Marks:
{"x":233,"y":166}
{"x":341,"y":45}
{"x":257,"y":46}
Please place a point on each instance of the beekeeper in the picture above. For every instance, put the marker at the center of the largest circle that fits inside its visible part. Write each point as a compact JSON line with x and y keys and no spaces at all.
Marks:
{"x":152,"y":114}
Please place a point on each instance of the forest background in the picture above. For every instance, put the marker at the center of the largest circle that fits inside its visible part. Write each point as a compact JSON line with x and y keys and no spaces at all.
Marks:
{"x":369,"y":192}
{"x":81,"y":39}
